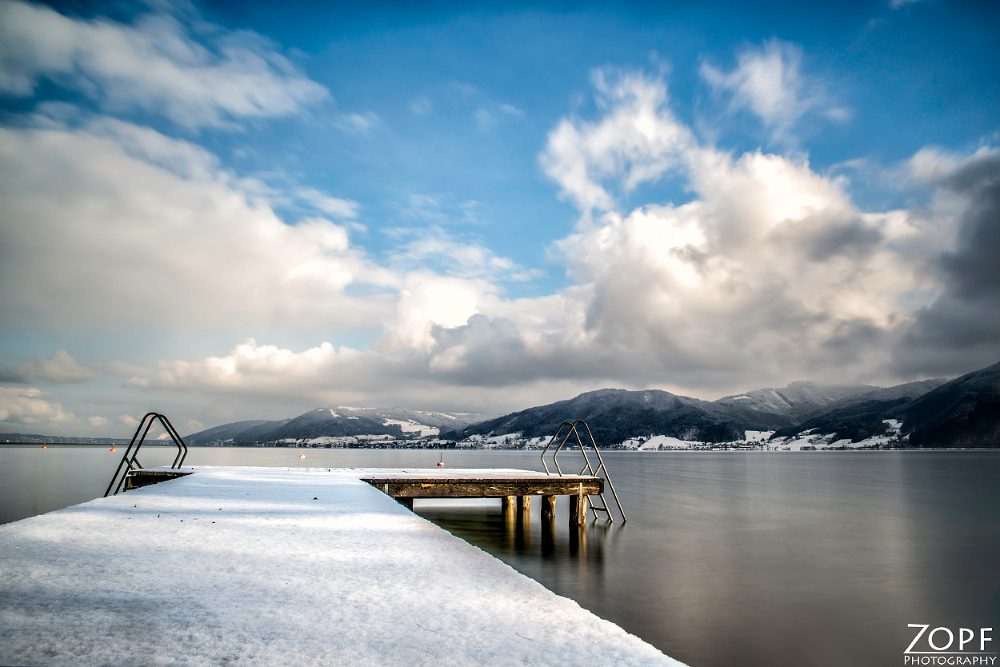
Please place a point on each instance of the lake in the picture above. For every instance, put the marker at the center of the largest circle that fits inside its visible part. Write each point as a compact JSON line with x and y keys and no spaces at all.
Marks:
{"x":728,"y":558}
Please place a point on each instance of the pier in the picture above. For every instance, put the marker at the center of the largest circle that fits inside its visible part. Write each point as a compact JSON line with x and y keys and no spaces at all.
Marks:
{"x":275,"y":566}
{"x":514,"y":487}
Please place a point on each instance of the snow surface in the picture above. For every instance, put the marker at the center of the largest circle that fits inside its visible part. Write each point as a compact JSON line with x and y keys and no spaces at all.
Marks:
{"x":810,"y":439}
{"x":272,"y":566}
{"x":410,"y":426}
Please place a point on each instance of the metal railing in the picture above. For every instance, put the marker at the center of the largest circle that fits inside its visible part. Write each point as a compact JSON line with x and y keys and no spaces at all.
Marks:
{"x":588,"y":469}
{"x":129,"y":461}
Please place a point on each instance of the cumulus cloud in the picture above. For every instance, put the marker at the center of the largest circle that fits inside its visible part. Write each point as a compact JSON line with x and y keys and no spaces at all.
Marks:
{"x":30,"y":406}
{"x":961,"y":329}
{"x":98,"y":421}
{"x":60,"y":367}
{"x":769,"y":83}
{"x":636,"y":140}
{"x":155,"y":65}
{"x":770,"y":273}
{"x":103,"y":220}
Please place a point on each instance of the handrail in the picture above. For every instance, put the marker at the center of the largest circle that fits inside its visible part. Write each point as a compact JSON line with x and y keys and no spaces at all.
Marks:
{"x":130,"y":461}
{"x":587,"y":468}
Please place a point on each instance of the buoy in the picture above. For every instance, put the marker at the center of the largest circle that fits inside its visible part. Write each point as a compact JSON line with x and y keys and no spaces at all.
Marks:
{"x":112,"y":449}
{"x":302,"y":456}
{"x":441,"y":464}
{"x":44,"y":447}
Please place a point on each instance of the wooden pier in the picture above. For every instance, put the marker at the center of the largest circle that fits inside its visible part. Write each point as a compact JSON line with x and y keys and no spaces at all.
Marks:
{"x":514,"y":487}
{"x":289,"y":566}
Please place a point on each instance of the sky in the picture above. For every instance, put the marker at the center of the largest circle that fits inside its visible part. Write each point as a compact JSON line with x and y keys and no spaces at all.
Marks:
{"x":226,"y":211}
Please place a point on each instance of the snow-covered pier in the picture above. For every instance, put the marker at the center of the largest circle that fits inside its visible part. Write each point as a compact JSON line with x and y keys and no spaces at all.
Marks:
{"x":275,"y":566}
{"x":513,"y":487}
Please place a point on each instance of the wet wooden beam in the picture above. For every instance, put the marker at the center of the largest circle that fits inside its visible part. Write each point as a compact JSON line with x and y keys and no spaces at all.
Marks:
{"x":578,"y":508}
{"x":507,"y":508}
{"x":548,"y":508}
{"x":487,"y":487}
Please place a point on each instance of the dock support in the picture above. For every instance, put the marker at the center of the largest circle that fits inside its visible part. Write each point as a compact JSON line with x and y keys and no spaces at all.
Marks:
{"x":578,"y":509}
{"x":524,"y":507}
{"x":548,"y":508}
{"x":406,"y":502}
{"x":507,"y":503}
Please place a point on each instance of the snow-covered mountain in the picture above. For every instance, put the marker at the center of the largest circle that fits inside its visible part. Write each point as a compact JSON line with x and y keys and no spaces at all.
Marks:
{"x":340,"y":424}
{"x":646,"y":419}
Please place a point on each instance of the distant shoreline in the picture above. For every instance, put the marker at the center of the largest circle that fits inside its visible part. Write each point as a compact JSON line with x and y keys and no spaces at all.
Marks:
{"x":681,"y":450}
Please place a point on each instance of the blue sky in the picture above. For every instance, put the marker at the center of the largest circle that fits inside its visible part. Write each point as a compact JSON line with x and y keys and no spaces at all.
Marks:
{"x":237,"y":210}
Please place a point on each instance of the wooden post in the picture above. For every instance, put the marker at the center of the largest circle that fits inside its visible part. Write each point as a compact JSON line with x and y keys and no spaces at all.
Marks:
{"x":548,"y":508}
{"x":507,"y":503}
{"x":524,"y":507}
{"x":406,"y":502}
{"x":578,"y":508}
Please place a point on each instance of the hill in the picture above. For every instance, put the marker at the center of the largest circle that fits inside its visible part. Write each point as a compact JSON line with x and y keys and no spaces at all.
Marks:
{"x":615,"y":415}
{"x":962,"y":413}
{"x":337,"y":423}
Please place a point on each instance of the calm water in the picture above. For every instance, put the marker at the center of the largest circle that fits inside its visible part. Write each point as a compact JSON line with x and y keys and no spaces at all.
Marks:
{"x":755,"y":558}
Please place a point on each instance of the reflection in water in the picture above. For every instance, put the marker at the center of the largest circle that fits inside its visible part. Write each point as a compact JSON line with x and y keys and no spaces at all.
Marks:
{"x":751,"y":559}
{"x":771,"y":559}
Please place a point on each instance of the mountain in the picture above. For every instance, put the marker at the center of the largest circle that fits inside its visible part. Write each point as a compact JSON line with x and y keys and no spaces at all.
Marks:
{"x":852,"y":412}
{"x":962,"y":413}
{"x":339,"y":422}
{"x":615,"y":415}
{"x":861,"y":416}
{"x":798,"y":400}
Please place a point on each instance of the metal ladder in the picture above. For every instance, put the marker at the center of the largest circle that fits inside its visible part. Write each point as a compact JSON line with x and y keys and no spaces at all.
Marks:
{"x":588,"y":469}
{"x":129,"y":461}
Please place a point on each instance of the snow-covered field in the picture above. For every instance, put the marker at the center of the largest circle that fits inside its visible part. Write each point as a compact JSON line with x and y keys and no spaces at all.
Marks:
{"x":808,"y":440}
{"x":273,"y":566}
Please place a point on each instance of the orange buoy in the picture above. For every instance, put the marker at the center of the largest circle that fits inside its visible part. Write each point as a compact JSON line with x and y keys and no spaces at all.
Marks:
{"x":44,"y":447}
{"x":441,"y":463}
{"x":302,"y":456}
{"x":112,"y":449}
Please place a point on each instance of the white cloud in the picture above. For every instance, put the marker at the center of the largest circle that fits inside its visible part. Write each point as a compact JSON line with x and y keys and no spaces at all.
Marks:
{"x":358,"y":123}
{"x":769,"y":83}
{"x":102,"y":221}
{"x":129,"y":420}
{"x":636,"y":141}
{"x":30,"y":406}
{"x":97,"y":421}
{"x":154,"y":65}
{"x":248,"y":367}
{"x":60,"y":367}
{"x":484,"y":120}
{"x":770,"y":273}
{"x":339,"y":208}
{"x":462,"y":258}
